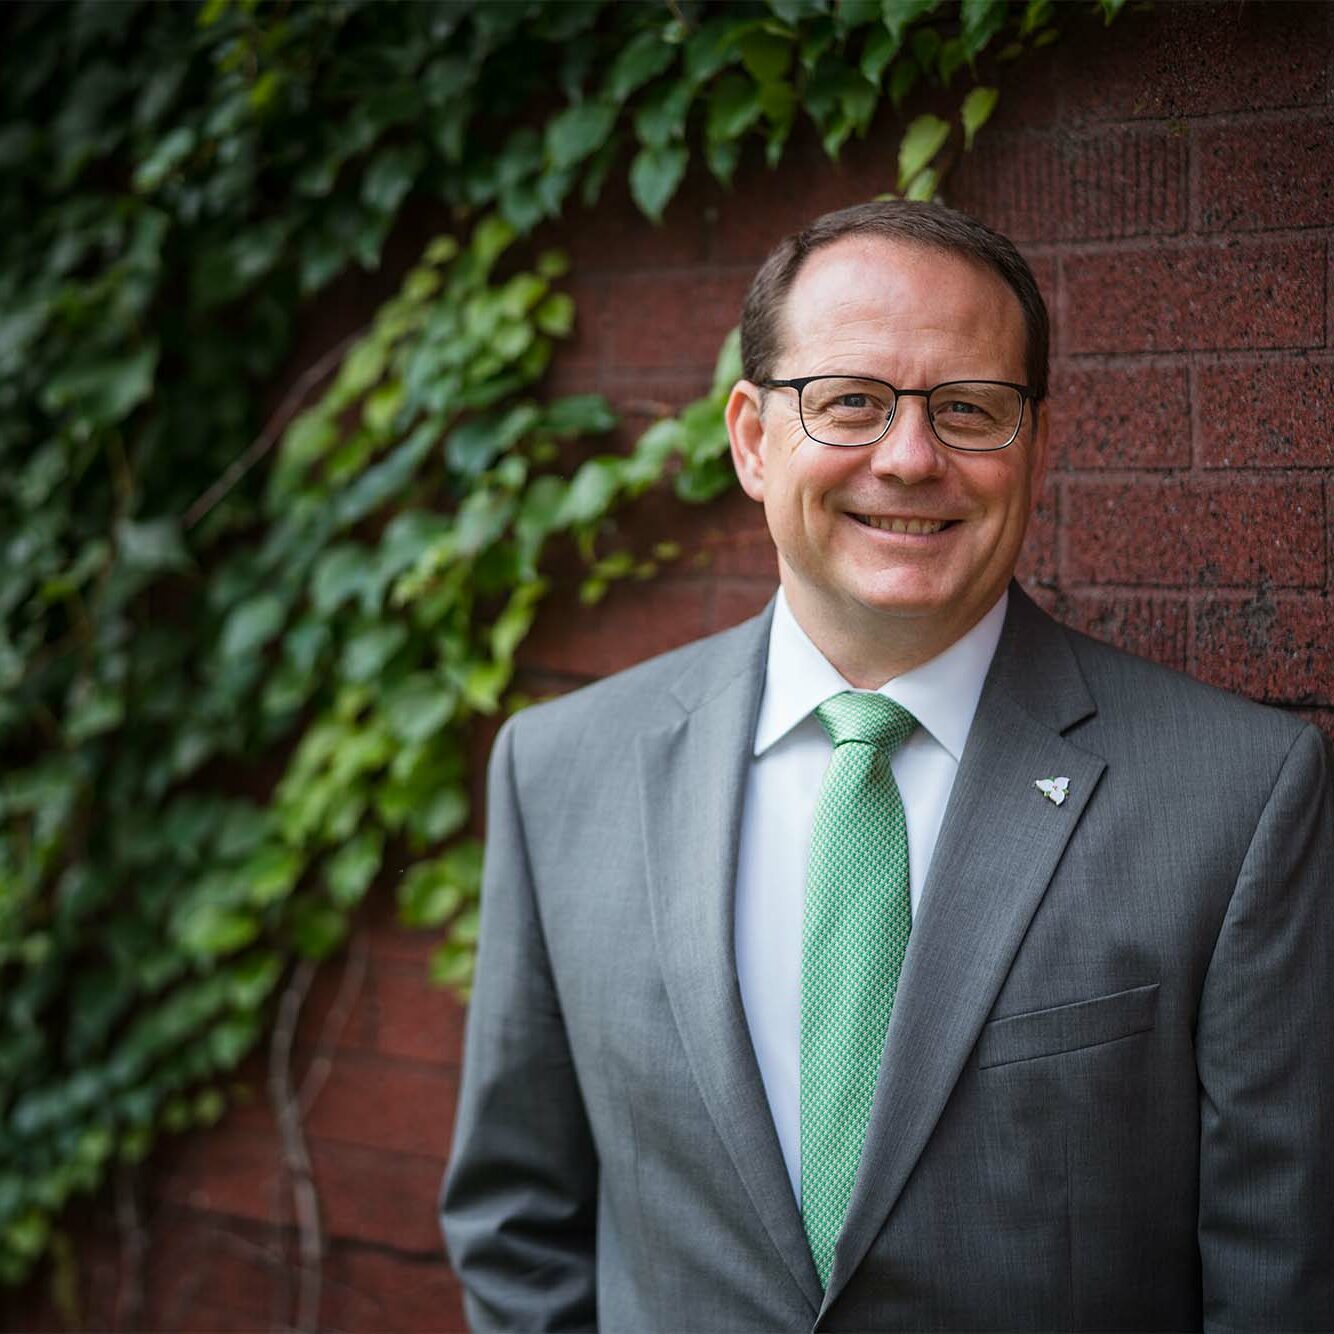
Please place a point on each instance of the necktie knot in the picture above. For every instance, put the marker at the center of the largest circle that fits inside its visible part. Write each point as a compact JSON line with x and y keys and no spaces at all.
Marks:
{"x":870,"y":718}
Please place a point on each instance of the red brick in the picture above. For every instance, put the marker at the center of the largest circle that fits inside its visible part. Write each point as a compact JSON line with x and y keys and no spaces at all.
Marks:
{"x":1266,"y":174}
{"x":743,"y":552}
{"x":1250,"y":294}
{"x":1037,"y":560}
{"x":614,"y":235}
{"x":375,"y":1292}
{"x":633,"y":622}
{"x":1221,"y":532}
{"x":382,"y":1104}
{"x":1153,"y":627}
{"x":1135,"y":416}
{"x":765,"y":206}
{"x":235,"y":1168}
{"x":1271,"y":647}
{"x":1322,"y":718}
{"x":211,"y":1274}
{"x":1195,"y":60}
{"x":379,"y":925}
{"x":1071,"y":186}
{"x":671,"y":319}
{"x":386,"y":1199}
{"x":319,"y":1023}
{"x":737,"y":600}
{"x":579,"y":356}
{"x":416,"y":1020}
{"x":1266,"y":414}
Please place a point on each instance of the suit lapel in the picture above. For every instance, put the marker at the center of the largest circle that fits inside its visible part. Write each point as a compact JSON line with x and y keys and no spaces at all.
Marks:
{"x":692,"y":785}
{"x":999,"y":845}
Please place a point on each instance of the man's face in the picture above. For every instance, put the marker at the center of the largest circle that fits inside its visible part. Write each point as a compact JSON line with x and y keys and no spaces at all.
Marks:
{"x":915,"y":317}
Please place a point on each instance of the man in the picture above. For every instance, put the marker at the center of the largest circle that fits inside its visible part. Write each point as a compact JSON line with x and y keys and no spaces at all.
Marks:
{"x":900,"y":959}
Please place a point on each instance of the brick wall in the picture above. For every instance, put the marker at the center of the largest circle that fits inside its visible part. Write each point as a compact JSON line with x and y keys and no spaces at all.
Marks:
{"x":1173,"y":186}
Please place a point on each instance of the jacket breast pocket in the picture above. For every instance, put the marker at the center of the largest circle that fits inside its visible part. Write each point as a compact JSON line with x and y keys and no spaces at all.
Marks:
{"x":1066,"y":1028}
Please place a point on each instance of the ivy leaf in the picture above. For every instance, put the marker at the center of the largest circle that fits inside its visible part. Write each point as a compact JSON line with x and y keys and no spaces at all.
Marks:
{"x":474,"y":446}
{"x":555,"y":316}
{"x":367,"y":653}
{"x":270,"y":873}
{"x":722,"y":156}
{"x":1037,"y":13}
{"x":982,"y":20}
{"x":210,"y":930}
{"x":662,"y":118}
{"x":591,"y":490}
{"x":923,"y":185}
{"x":793,"y":12}
{"x":976,"y":111}
{"x":106,"y":391}
{"x":351,"y":869}
{"x":900,"y":15}
{"x":92,"y":710}
{"x":579,"y":414}
{"x":902,"y":79}
{"x":171,"y":150}
{"x":643,"y":58}
{"x":317,"y":928}
{"x":342,"y":573}
{"x":152,"y":545}
{"x":252,"y":624}
{"x":924,"y":138}
{"x":655,"y":175}
{"x":417,"y":708}
{"x":577,"y":132}
{"x":713,"y":45}
{"x":766,"y":55}
{"x":733,"y":107}
{"x":881,"y":47}
{"x":850,"y":14}
{"x":390,"y":176}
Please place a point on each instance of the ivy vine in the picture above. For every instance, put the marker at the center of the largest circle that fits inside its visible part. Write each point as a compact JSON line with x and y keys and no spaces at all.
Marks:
{"x":233,"y":695}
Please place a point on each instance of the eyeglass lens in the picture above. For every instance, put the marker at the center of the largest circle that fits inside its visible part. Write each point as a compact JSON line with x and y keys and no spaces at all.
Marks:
{"x":965,"y":414}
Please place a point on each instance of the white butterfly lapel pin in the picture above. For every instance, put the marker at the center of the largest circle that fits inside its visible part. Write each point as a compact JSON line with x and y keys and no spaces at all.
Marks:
{"x":1054,"y":789}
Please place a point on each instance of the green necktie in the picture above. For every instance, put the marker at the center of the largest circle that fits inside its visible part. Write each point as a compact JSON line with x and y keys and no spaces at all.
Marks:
{"x":858,"y":915}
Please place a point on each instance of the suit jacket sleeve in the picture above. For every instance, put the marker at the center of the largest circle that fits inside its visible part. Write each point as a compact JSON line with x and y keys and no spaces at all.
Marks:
{"x":518,"y":1208}
{"x":1265,"y":1054}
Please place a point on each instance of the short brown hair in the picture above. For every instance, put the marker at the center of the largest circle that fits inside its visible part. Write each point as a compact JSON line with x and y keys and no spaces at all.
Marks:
{"x":912,"y":223}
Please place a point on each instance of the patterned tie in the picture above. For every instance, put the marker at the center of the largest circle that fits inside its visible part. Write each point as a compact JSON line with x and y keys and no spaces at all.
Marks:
{"x":858,"y":915}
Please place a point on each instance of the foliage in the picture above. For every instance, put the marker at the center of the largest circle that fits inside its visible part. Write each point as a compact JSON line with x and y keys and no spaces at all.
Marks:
{"x":226,"y":708}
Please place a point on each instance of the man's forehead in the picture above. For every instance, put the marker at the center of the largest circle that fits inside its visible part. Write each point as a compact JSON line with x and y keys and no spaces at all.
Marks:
{"x":864,"y":258}
{"x":865,"y":280}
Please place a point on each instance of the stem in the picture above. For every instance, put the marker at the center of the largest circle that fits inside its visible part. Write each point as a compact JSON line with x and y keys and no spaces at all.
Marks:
{"x":273,"y":429}
{"x":296,"y":1156}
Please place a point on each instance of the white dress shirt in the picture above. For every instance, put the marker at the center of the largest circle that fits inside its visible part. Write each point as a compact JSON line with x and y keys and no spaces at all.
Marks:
{"x":792,"y":752}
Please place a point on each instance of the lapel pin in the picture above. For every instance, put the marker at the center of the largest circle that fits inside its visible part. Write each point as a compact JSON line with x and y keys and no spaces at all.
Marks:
{"x":1054,"y":789}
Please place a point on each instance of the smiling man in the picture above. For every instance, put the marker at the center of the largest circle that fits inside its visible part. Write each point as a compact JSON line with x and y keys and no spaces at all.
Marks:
{"x":900,"y":959}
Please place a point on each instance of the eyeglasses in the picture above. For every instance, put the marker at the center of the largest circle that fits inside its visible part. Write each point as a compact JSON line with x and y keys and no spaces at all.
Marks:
{"x":850,"y":410}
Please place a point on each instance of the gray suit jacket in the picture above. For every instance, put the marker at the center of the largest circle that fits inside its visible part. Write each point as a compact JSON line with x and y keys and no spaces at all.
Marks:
{"x":1107,"y":1094}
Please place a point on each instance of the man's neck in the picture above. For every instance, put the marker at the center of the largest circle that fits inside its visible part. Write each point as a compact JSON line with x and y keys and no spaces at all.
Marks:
{"x":868,"y":649}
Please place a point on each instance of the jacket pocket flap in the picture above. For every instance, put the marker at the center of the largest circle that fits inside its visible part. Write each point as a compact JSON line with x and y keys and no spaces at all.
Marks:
{"x":1021,"y":1037}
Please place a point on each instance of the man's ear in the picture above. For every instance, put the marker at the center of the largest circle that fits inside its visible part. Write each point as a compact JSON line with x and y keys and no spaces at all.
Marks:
{"x":745,"y":430}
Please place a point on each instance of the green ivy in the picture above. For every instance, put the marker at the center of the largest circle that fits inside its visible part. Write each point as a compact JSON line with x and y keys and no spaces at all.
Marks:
{"x":232,"y":696}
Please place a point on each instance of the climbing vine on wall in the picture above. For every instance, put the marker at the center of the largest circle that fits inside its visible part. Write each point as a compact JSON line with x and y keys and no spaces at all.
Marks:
{"x":239,"y":652}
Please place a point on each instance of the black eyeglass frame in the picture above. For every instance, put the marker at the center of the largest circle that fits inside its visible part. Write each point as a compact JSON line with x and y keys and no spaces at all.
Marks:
{"x":1026,"y":395}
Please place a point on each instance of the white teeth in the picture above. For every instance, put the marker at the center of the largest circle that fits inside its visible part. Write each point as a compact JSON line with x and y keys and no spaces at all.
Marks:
{"x":903,"y":525}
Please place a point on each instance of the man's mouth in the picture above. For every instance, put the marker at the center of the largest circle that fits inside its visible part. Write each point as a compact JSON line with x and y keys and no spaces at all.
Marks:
{"x":916,"y":527}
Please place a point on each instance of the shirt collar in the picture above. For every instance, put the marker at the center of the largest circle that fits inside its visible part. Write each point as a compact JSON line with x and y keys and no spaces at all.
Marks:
{"x":941,"y":694}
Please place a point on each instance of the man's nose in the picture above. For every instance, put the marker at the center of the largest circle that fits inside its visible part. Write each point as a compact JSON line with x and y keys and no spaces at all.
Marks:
{"x":909,"y":450}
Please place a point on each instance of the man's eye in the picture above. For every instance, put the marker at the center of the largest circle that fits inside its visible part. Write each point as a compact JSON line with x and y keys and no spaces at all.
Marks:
{"x":959,"y":406}
{"x":853,"y":401}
